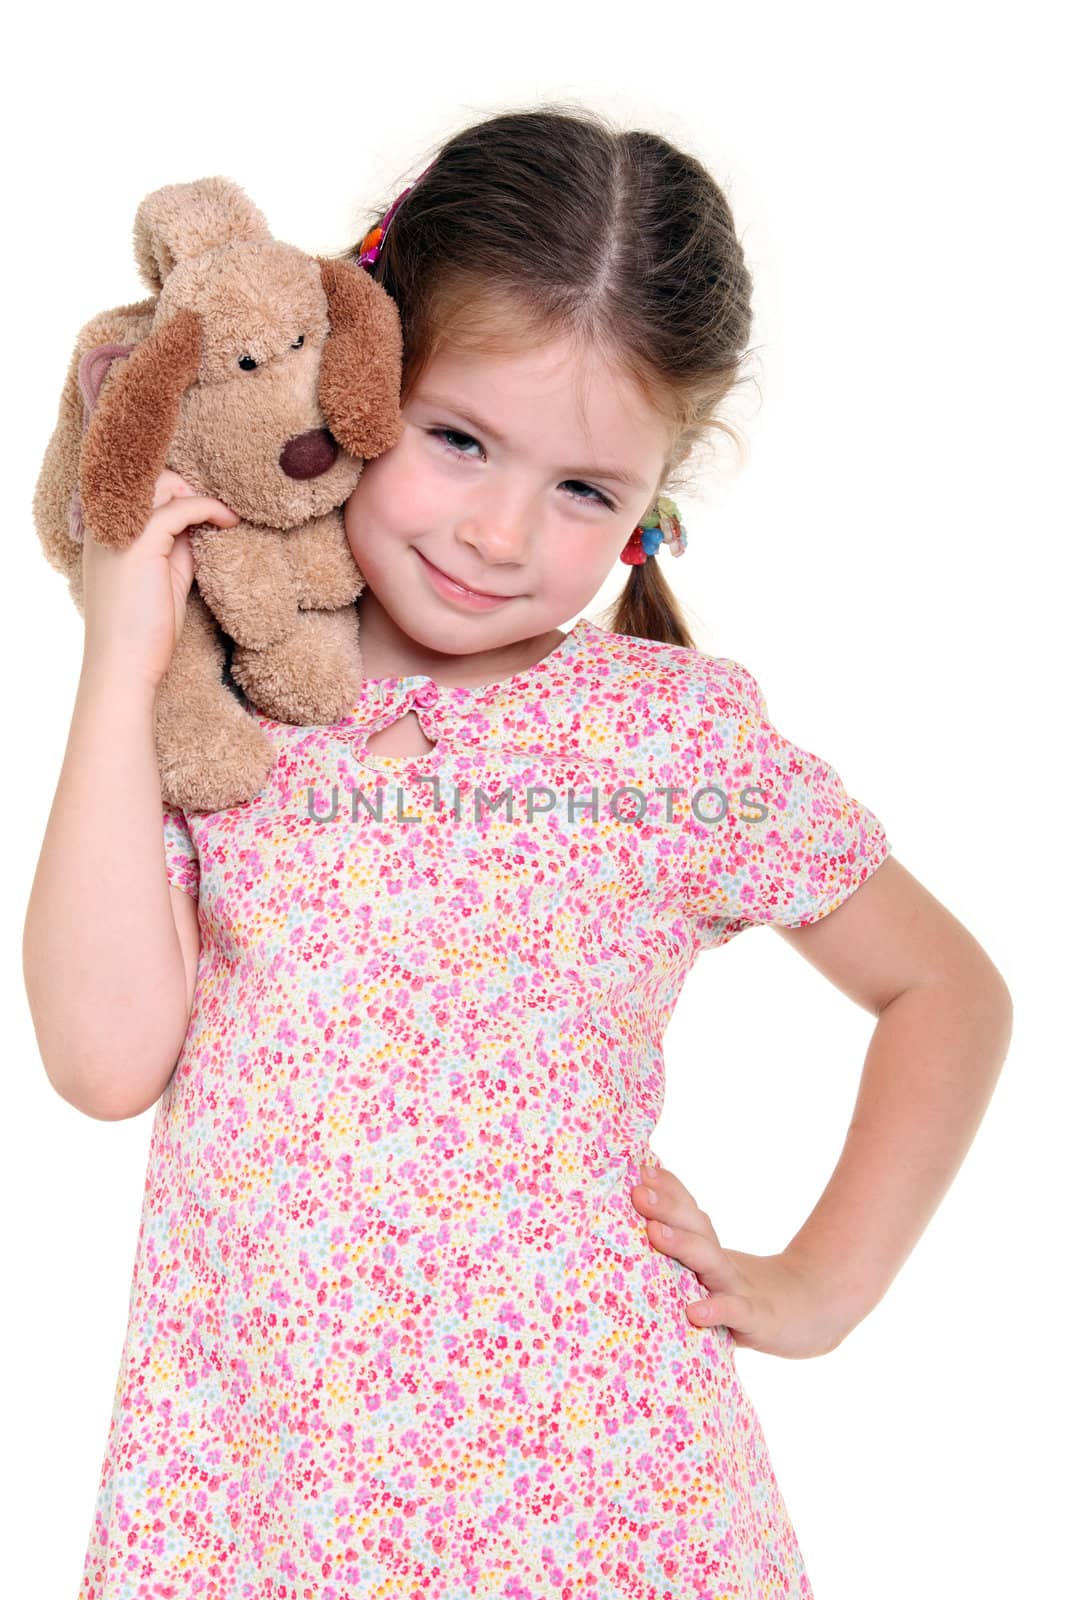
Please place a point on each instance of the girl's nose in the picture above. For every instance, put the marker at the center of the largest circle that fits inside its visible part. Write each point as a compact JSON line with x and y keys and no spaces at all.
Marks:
{"x":503,"y":533}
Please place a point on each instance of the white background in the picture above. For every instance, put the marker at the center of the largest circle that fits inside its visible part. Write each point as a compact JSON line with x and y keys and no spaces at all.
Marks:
{"x":886,"y":562}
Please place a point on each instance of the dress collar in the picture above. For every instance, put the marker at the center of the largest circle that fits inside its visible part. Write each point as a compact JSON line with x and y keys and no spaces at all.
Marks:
{"x":422,"y":689}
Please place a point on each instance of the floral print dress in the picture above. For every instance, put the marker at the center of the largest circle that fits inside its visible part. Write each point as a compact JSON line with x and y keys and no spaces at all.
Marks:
{"x":396,"y":1330}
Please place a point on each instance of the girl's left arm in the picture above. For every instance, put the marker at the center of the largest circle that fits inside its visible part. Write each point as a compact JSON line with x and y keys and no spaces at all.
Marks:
{"x":944,"y":1023}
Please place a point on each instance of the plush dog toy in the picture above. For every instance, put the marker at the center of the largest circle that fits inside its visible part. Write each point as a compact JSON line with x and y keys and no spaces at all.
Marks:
{"x":265,"y":377}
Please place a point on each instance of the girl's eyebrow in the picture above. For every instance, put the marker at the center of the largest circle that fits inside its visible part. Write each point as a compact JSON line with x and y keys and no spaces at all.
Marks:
{"x":618,"y":475}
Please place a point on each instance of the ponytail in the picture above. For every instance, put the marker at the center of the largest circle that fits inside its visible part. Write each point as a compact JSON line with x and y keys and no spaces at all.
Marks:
{"x":648,"y":608}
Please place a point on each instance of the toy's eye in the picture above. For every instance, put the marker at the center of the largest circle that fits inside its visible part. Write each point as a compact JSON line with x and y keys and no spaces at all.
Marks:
{"x":247,"y":364}
{"x":297,"y":342}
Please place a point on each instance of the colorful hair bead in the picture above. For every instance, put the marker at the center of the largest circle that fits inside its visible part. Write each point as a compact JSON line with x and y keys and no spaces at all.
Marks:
{"x":662,"y":525}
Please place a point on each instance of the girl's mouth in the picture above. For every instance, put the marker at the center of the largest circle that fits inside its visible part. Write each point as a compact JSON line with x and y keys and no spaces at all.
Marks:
{"x":475,"y":599}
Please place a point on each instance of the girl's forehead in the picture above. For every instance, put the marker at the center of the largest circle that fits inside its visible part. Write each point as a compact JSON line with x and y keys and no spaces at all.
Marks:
{"x":546,"y":359}
{"x":557,"y":372}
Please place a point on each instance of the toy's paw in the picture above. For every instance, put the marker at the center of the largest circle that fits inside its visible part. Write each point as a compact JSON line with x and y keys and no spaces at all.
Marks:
{"x":234,"y":759}
{"x":327,"y":577}
{"x":247,"y":582}
{"x":313,"y":677}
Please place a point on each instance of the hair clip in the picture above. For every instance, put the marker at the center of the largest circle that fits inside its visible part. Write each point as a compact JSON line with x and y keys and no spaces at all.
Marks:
{"x":662,"y":525}
{"x":371,"y":244}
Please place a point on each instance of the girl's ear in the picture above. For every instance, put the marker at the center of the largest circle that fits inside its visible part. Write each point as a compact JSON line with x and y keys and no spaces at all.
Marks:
{"x":125,"y":445}
{"x":362,"y":361}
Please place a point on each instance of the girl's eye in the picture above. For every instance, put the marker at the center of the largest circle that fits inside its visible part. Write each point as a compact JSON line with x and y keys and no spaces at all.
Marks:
{"x":590,"y":497}
{"x":448,"y":434}
{"x":597,"y":495}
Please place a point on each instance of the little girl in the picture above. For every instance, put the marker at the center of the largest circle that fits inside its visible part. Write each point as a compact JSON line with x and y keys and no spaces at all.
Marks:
{"x":415,"y":1309}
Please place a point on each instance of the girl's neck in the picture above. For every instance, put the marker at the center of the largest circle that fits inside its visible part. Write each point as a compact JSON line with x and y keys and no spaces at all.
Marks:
{"x":388,"y":652}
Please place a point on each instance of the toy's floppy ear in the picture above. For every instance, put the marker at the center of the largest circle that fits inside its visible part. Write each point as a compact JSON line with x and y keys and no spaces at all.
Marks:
{"x":93,"y":368}
{"x":360,"y":371}
{"x":125,"y":445}
{"x":121,"y":327}
{"x":186,"y":219}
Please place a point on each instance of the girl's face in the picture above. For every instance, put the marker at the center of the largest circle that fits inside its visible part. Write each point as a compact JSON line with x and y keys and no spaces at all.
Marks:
{"x":519,"y":476}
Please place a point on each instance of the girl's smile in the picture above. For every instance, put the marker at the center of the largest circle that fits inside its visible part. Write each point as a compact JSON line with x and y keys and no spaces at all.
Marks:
{"x":453,"y":590}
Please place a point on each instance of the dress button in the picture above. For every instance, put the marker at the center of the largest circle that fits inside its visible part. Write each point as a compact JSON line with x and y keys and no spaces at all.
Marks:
{"x":427,"y":695}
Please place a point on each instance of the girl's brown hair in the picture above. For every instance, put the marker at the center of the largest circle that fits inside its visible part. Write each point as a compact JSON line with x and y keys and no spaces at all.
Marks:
{"x":551,"y":221}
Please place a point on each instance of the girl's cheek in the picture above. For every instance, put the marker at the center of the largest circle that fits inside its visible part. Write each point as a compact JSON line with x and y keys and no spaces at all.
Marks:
{"x":349,"y":517}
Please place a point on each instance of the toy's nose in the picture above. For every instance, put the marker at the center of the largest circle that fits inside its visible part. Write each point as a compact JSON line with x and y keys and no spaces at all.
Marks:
{"x":309,"y":454}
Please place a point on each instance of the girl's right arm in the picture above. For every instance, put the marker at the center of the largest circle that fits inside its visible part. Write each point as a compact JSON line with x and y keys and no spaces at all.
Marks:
{"x":109,"y":946}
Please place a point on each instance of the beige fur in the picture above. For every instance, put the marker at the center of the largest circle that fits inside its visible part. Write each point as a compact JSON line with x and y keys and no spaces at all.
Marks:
{"x":165,"y":390}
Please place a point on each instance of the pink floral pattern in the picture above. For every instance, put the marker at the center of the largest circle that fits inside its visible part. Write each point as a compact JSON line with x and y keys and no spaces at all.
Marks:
{"x":396,"y":1329}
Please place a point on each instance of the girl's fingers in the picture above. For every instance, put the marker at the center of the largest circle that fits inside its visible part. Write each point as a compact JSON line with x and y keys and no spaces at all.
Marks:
{"x":698,"y":1251}
{"x":731,"y":1311}
{"x":184,"y":510}
{"x":174,"y":516}
{"x":181,"y":557}
{"x":169,"y":484}
{"x":672,"y":1202}
{"x":666,"y":1185}
{"x":690,"y":1241}
{"x":677,"y":1227}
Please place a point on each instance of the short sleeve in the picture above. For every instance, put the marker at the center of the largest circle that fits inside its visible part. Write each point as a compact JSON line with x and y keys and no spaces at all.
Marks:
{"x":774,"y":836}
{"x":180,"y":853}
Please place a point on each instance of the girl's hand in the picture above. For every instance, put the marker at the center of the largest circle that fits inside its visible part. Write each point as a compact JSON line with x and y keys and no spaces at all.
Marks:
{"x":135,"y":599}
{"x":768,"y":1302}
